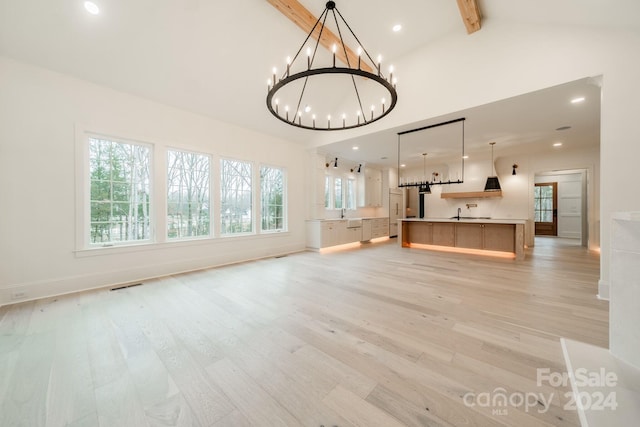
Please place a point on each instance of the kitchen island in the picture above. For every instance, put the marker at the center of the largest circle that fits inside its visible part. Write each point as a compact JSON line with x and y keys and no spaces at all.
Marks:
{"x":496,"y":237}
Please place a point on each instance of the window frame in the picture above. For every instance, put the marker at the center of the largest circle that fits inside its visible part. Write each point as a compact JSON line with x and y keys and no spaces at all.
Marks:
{"x":285,"y":208}
{"x":212,"y":228}
{"x":158,"y":182}
{"x":83,"y":191}
{"x":252,"y":175}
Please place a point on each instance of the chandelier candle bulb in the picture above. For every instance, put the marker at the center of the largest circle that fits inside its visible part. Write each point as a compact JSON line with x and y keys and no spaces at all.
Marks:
{"x":334,"y":54}
{"x":275,"y":70}
{"x":314,"y":120}
{"x":344,"y":116}
{"x":379,"y":62}
{"x":391,"y":73}
{"x":288,"y":64}
{"x":308,"y":58}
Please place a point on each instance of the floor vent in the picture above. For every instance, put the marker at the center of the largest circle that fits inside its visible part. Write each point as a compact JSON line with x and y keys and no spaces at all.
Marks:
{"x":126,"y":286}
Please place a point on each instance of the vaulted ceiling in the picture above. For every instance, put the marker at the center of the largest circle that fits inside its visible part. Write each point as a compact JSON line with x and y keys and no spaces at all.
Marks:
{"x":213,"y":58}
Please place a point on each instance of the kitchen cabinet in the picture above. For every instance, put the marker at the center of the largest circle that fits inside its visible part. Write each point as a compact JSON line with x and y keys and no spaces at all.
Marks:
{"x":370,"y":188}
{"x":367,"y":225}
{"x":379,"y":228}
{"x":331,"y":233}
{"x":470,"y":236}
{"x":327,"y":233}
{"x":444,"y":234}
{"x":498,"y":236}
{"x":324,"y":234}
{"x":421,"y":232}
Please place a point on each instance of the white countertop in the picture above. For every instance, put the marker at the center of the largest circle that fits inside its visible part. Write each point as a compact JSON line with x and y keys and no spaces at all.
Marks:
{"x":468,"y":220}
{"x":348,"y":218}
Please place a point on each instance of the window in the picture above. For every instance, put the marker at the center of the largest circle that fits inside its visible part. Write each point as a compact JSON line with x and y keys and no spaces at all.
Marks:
{"x":188,"y":199}
{"x":236,"y":215}
{"x":327,"y":192}
{"x":351,"y":194}
{"x":543,"y":202}
{"x":337,"y":193}
{"x":272,"y":199}
{"x":120,"y":191}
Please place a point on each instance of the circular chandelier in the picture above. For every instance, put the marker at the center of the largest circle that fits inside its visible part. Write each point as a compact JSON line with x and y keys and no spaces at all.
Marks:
{"x":300,"y":99}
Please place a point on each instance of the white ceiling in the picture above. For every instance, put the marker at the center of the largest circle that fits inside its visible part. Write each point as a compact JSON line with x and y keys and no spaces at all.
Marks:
{"x":213,"y":58}
{"x":525,"y":123}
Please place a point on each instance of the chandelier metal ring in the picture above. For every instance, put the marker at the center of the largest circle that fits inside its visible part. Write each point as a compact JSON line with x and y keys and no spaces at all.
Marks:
{"x":340,"y":123}
{"x":331,"y":70}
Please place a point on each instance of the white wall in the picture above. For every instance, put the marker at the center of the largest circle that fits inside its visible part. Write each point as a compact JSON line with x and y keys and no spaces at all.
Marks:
{"x":625,"y":289}
{"x":39,"y":112}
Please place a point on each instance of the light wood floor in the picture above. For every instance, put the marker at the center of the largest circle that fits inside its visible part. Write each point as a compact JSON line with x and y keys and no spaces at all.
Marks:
{"x":378,"y":336}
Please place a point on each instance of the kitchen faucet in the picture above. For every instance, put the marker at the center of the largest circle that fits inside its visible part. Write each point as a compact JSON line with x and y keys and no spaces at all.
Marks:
{"x":342,"y":213}
{"x":459,"y":211}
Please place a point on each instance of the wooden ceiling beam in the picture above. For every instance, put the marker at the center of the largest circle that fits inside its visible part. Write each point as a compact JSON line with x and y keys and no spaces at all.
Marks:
{"x":470,"y":15}
{"x":304,"y":19}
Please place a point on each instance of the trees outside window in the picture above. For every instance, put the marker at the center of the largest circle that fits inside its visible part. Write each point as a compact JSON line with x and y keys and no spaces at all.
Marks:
{"x":272,"y":199}
{"x":236,"y":214}
{"x":337,"y":194}
{"x":351,"y":194}
{"x":188,"y":195}
{"x":120,"y":191}
{"x":327,"y":191}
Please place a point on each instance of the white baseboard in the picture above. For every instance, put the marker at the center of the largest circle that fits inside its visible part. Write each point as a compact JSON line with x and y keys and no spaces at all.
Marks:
{"x":71,"y":284}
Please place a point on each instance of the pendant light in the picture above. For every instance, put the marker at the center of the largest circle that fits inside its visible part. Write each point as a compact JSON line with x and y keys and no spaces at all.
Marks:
{"x":492,"y":182}
{"x":424,"y":188}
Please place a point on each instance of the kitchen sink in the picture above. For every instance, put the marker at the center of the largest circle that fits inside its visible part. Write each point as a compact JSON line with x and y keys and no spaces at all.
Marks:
{"x":354,"y":222}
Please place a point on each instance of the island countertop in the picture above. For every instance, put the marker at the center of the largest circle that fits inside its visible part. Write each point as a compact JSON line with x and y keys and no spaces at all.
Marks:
{"x":468,"y":220}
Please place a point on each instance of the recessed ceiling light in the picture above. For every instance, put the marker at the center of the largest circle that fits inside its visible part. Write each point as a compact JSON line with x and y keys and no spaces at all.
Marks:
{"x":564,"y":128}
{"x":91,"y":7}
{"x":355,"y":147}
{"x":557,"y":144}
{"x":465,"y":157}
{"x":403,"y":165}
{"x":397,"y":28}
{"x":577,"y":100}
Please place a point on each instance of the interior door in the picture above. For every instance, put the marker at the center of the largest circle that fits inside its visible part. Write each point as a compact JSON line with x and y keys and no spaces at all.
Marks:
{"x":395,"y":212}
{"x":546,"y":208}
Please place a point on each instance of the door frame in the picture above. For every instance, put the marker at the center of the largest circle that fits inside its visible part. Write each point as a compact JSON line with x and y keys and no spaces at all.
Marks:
{"x":543,"y":228}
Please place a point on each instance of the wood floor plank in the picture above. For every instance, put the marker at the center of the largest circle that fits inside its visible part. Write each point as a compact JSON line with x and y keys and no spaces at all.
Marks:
{"x":173,"y":412}
{"x":25,"y":400}
{"x":118,"y":404}
{"x":301,"y":398}
{"x":14,"y":325}
{"x":254,"y":403}
{"x":70,"y":396}
{"x":379,"y":334}
{"x":358,"y":411}
{"x":207,"y":401}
